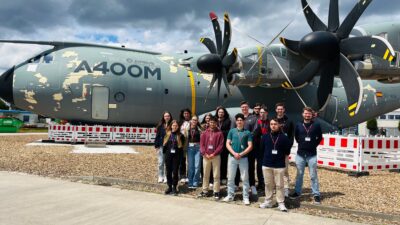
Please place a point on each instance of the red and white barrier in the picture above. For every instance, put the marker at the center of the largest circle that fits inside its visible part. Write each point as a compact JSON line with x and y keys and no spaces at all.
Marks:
{"x":357,"y":154}
{"x":130,"y":135}
{"x":71,"y":133}
{"x":61,"y":133}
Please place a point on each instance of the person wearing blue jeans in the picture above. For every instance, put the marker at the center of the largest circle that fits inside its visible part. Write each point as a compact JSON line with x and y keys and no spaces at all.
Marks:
{"x":193,"y":153}
{"x":308,"y":135}
{"x":239,"y":143}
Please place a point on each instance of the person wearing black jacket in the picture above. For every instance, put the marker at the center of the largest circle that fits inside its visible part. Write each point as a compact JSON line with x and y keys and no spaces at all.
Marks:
{"x":224,"y":124}
{"x":173,"y":145}
{"x":308,"y":135}
{"x":287,"y":127}
{"x":276,"y":147}
{"x":161,"y":128}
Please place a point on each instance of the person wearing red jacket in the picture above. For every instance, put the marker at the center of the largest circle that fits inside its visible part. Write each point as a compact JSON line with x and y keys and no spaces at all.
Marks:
{"x":211,"y":145}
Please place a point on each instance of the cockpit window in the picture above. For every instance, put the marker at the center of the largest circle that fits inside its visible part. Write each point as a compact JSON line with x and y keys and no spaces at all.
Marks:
{"x":35,"y":59}
{"x":47,"y":58}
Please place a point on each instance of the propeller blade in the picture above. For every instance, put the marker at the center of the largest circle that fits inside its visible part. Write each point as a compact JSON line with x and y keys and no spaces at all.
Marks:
{"x":230,"y":59}
{"x":374,"y":45}
{"x":225,"y":78}
{"x":333,"y":20}
{"x":315,"y":23}
{"x":227,"y":35}
{"x":293,"y":46}
{"x":352,"y":85}
{"x":209,"y":44}
{"x":217,"y":31}
{"x":325,"y":85}
{"x":219,"y":78}
{"x":352,"y":18}
{"x":304,"y":76}
{"x":214,"y":78}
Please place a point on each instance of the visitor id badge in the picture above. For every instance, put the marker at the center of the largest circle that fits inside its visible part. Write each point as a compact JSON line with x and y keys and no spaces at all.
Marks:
{"x":308,"y":139}
{"x":211,"y":147}
{"x":274,"y":151}
{"x":172,"y":150}
{"x":191,"y":144}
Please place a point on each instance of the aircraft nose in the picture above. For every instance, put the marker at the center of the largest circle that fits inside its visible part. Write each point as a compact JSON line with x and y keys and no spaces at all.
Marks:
{"x":6,"y":85}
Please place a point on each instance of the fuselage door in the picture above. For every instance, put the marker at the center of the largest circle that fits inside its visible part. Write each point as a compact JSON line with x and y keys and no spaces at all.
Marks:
{"x":100,"y":98}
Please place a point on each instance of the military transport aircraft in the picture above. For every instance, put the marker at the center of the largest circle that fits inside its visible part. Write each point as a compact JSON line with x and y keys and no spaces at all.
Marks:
{"x":98,"y":84}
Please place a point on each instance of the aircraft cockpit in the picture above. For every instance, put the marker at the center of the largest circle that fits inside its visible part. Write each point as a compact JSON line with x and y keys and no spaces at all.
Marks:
{"x":42,"y":58}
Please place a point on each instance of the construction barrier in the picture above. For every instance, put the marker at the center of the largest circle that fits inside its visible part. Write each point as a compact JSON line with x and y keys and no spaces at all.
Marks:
{"x":356,"y":154}
{"x":109,"y":134}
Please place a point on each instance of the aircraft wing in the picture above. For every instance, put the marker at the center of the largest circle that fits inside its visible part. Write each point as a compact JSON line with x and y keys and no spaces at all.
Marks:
{"x":61,"y":44}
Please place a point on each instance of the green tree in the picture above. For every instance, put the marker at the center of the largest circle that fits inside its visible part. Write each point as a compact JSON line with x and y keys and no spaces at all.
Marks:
{"x":398,"y":126}
{"x":372,"y":126}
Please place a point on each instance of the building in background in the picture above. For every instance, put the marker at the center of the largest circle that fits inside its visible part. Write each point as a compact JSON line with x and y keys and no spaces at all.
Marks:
{"x":28,"y":118}
{"x":388,"y":122}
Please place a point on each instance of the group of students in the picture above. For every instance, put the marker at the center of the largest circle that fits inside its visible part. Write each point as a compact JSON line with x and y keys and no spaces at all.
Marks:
{"x":253,"y":145}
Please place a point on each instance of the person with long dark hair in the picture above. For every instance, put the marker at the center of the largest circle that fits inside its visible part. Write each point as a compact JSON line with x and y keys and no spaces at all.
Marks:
{"x":173,"y":148}
{"x":224,"y":124}
{"x":184,"y":124}
{"x":161,"y":128}
{"x":205,"y":121}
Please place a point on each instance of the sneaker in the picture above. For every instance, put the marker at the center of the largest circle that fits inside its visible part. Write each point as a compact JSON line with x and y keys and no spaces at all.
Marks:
{"x":286,"y":192}
{"x":317,"y":200}
{"x":174,"y":191}
{"x":193,"y":187}
{"x":216,"y":196}
{"x":160,"y":179}
{"x":202,"y":194}
{"x":187,"y":180}
{"x":228,"y":198}
{"x":246,"y":201}
{"x":294,"y":195}
{"x":253,"y":190}
{"x":282,"y":207}
{"x":168,"y":191}
{"x":265,"y":205}
{"x":165,"y":180}
{"x":183,"y":180}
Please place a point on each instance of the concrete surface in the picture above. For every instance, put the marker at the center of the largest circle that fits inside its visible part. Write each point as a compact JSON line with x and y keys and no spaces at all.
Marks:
{"x":28,"y":199}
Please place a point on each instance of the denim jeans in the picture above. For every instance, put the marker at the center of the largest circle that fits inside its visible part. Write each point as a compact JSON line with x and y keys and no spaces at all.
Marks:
{"x":243,"y":165}
{"x":194,"y":167}
{"x":161,"y":163}
{"x":312,"y":166}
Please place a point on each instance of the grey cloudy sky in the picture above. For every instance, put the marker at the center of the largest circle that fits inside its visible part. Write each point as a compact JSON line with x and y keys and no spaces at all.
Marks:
{"x":159,"y":25}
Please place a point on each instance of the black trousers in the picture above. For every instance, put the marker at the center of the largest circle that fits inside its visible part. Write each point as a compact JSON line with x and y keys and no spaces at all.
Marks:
{"x":172,"y":165}
{"x":259,"y":159}
{"x":224,"y":163}
{"x":182,"y":166}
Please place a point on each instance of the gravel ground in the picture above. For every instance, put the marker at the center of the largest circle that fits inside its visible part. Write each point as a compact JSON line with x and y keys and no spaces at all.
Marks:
{"x":378,"y":192}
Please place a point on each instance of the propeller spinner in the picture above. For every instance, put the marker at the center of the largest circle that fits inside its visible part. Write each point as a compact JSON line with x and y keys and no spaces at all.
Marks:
{"x":218,"y":61}
{"x":327,"y":47}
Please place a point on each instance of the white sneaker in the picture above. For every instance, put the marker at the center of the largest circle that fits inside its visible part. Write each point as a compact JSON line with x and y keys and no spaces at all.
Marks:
{"x":160,"y":179}
{"x":187,"y":180}
{"x":265,"y":205}
{"x":183,"y":180}
{"x":246,"y":201}
{"x":287,"y":192}
{"x":253,"y":190}
{"x":282,"y":207}
{"x":228,"y":198}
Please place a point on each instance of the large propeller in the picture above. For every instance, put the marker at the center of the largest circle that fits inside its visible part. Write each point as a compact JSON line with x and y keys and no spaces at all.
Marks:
{"x":327,"y":48}
{"x":218,"y":61}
